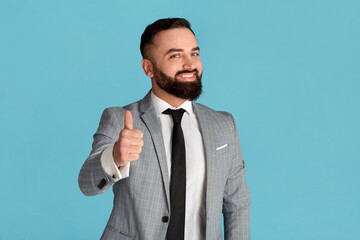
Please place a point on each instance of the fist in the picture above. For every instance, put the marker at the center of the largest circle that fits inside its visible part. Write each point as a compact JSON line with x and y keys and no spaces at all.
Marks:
{"x":129,"y":145}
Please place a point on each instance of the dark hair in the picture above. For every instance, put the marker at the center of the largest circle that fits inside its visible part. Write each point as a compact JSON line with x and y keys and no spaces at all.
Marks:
{"x":158,"y":26}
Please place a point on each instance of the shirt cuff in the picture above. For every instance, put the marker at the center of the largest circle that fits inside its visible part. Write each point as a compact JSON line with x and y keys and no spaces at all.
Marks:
{"x":108,"y":164}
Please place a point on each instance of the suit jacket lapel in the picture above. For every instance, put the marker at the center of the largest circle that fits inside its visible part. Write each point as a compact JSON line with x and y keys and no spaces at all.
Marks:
{"x":209,"y":140}
{"x":148,"y":115}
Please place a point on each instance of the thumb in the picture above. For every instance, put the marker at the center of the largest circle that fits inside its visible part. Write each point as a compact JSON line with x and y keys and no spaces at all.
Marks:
{"x":128,"y":120}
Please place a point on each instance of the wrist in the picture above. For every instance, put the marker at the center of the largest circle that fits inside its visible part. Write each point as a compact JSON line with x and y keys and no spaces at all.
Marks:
{"x":114,"y":153}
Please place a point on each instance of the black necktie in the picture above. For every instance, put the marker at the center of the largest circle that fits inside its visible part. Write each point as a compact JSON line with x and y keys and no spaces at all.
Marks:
{"x":178,"y":179}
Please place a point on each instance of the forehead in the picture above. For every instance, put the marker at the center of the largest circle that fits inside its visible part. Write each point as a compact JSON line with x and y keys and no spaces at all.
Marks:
{"x":179,"y":38}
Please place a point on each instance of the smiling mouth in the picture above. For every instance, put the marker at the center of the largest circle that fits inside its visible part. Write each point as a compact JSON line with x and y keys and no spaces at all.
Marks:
{"x":187,"y":76}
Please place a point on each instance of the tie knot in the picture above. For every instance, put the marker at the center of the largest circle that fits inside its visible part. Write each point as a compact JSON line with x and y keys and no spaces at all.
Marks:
{"x":176,"y":114}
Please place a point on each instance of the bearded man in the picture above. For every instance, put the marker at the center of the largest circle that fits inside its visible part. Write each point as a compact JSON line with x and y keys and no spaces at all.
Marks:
{"x":175,"y":166}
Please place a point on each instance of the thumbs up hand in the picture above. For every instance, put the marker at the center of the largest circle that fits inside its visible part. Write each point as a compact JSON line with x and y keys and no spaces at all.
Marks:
{"x":129,"y":145}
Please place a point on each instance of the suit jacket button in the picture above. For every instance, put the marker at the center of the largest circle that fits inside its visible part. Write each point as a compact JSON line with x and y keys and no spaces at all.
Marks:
{"x":165,"y":219}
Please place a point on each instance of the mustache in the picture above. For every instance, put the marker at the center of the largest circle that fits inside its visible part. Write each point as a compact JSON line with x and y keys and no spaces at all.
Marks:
{"x":187,"y":71}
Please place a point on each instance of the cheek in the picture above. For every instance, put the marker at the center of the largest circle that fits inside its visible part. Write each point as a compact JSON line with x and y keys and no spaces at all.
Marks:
{"x":198,"y":65}
{"x":172,"y":69}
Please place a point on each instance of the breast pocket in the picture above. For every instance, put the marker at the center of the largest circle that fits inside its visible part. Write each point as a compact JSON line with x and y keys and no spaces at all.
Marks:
{"x":222,"y":160}
{"x":221,"y":149}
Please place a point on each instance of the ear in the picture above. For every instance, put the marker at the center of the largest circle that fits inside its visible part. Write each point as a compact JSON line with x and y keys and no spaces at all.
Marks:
{"x":148,"y":67}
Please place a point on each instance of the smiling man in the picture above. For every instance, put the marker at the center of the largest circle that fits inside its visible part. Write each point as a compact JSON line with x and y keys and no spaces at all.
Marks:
{"x":175,"y":166}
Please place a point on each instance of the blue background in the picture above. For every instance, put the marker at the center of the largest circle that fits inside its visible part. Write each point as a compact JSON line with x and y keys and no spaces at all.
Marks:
{"x":289,"y":72}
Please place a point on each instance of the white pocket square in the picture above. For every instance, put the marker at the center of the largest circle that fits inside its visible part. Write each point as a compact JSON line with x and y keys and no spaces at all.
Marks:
{"x":221,"y":147}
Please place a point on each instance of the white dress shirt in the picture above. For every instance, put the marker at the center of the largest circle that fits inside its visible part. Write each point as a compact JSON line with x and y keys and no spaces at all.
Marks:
{"x":195,"y":164}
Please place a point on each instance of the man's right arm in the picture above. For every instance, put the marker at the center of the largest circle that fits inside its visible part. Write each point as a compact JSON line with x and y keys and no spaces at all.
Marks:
{"x":125,"y":145}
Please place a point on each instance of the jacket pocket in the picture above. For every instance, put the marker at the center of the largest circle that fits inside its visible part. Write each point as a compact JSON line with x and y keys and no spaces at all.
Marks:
{"x":115,"y":234}
{"x":222,"y":149}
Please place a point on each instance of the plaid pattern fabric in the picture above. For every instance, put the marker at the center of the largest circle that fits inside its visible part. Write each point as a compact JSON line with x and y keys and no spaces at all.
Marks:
{"x":142,"y":200}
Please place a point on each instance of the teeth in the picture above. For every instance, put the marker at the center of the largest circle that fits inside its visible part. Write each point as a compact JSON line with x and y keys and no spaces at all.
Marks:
{"x":188,"y":75}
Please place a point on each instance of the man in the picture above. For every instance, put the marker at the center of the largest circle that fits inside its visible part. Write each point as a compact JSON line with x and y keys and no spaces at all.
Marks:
{"x":175,"y":166}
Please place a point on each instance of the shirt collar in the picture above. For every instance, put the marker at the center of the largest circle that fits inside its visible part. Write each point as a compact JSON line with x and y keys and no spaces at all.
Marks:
{"x":160,"y":105}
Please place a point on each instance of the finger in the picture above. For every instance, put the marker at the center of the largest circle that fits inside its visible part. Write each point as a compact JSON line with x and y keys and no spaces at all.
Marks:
{"x":128,"y":157}
{"x":131,"y":133}
{"x":135,"y":149}
{"x":131,"y":141}
{"x":126,"y":150}
{"x":128,"y":120}
{"x":133,"y":157}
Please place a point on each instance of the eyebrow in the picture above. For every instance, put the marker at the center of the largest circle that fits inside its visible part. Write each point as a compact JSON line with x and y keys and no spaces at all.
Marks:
{"x":171,"y":50}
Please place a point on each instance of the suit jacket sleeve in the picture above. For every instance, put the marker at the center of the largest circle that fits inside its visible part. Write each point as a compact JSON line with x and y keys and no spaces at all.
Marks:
{"x":236,"y":200}
{"x":93,"y":179}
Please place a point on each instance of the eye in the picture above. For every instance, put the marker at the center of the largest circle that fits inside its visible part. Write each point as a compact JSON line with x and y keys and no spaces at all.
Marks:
{"x":175,"y":56}
{"x":195,"y":54}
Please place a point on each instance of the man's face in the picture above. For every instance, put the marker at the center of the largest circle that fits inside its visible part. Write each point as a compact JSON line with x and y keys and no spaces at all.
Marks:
{"x":177,"y":67}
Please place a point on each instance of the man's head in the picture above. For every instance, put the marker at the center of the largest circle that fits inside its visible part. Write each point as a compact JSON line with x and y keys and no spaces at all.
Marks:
{"x":160,"y":25}
{"x":171,"y":58}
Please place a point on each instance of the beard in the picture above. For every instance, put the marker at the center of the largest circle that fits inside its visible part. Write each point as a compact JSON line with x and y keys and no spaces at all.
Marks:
{"x":184,"y":90}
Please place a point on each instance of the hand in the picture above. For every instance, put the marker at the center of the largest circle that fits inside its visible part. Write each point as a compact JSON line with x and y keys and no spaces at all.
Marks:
{"x":129,"y":145}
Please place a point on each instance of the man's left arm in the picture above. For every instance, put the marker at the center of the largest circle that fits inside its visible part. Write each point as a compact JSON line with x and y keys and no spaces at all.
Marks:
{"x":236,"y":200}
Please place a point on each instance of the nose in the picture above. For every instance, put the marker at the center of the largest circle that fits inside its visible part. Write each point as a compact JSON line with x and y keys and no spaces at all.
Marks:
{"x":188,"y":63}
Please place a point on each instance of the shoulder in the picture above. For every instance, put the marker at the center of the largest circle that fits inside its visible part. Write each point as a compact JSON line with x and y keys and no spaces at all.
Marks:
{"x":220,"y":122}
{"x":211,"y":113}
{"x":117,"y":110}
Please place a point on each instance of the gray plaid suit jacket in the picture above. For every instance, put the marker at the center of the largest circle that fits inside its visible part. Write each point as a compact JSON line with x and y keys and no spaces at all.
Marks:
{"x":142,"y":200}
